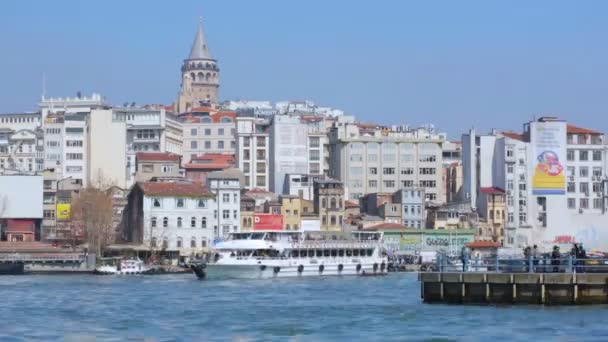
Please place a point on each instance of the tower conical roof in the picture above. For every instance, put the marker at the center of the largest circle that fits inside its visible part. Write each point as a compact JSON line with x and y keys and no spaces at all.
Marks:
{"x":199,"y":46}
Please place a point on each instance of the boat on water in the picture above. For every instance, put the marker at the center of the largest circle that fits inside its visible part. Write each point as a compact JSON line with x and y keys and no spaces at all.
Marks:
{"x":124,"y":267}
{"x":12,"y":268}
{"x":271,"y":254}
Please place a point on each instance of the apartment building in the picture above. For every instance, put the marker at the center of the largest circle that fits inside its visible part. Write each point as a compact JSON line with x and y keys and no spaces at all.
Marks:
{"x":554,"y":176}
{"x":412,"y":207}
{"x":173,"y":134}
{"x":151,"y":165}
{"x":296,"y":146}
{"x":369,"y":158}
{"x":21,"y":150}
{"x":206,"y":131}
{"x":226,"y":186}
{"x":107,"y":148}
{"x":252,"y":151}
{"x":329,"y":203}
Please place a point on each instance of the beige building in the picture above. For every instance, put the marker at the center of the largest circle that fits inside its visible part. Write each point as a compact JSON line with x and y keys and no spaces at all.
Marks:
{"x":492,"y":214}
{"x":157,"y":165}
{"x":329,"y":203}
{"x":291,"y":209}
{"x":107,"y":147}
{"x":206,"y":131}
{"x":200,"y":76}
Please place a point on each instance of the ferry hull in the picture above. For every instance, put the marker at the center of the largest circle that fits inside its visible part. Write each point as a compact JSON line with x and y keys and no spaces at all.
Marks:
{"x":12,"y":268}
{"x":219,"y":271}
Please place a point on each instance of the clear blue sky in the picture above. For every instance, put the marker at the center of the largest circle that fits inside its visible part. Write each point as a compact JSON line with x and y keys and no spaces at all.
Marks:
{"x":456,"y":64}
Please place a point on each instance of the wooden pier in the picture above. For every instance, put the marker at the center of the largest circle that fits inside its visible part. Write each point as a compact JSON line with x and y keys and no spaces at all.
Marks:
{"x":514,"y":288}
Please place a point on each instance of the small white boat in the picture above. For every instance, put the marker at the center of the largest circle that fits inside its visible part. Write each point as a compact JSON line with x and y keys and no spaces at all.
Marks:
{"x":270,"y":254}
{"x":124,"y":267}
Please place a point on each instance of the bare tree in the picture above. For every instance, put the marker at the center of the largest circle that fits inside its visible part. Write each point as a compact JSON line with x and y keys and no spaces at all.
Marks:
{"x":92,"y":210}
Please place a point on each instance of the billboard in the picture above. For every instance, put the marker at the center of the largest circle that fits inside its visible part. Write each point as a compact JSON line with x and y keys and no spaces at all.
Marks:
{"x":64,"y":211}
{"x":549,"y":148}
{"x":267,"y":222}
{"x":413,"y":241}
{"x":21,"y":197}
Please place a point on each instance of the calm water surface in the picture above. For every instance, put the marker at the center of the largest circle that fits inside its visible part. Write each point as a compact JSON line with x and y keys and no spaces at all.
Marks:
{"x":181,"y":308}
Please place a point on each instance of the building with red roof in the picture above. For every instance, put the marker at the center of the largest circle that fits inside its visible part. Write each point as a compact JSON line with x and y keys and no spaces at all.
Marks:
{"x":199,"y":167}
{"x":151,"y":165}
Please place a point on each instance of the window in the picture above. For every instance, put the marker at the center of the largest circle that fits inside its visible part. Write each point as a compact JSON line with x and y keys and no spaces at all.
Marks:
{"x":509,"y":150}
{"x":261,"y":141}
{"x":246,"y":142}
{"x":388,"y":171}
{"x":407,"y":183}
{"x":179,"y":222}
{"x":373,"y":170}
{"x":571,"y":171}
{"x":389,"y":183}
{"x":597,"y":155}
{"x":153,"y":242}
{"x":235,"y":198}
{"x":428,"y":183}
{"x":49,"y":214}
{"x":193,"y":145}
{"x":153,"y":222}
{"x":356,"y":157}
{"x":192,"y":243}
{"x":571,"y":203}
{"x":584,"y":203}
{"x":427,"y":171}
{"x":597,"y":203}
{"x":260,"y":181}
{"x":597,"y":172}
{"x":74,"y":156}
{"x":522,"y":186}
{"x":584,"y":188}
{"x":570,"y":155}
{"x":315,"y":155}
{"x":372,"y":157}
{"x":583,"y":171}
{"x":193,"y":132}
{"x":179,"y":203}
{"x":260,"y":167}
{"x":510,"y":168}
{"x":207,"y":144}
{"x":583,"y":155}
{"x":323,"y":203}
{"x":314,"y":142}
{"x":571,"y":187}
{"x":165,"y":222}
{"x":510,"y":217}
{"x":523,"y":217}
{"x":215,"y":214}
{"x":597,"y":187}
{"x":235,"y":214}
{"x":207,"y":131}
{"x":193,"y":222}
{"x":204,"y":222}
{"x":167,"y":168}
{"x":427,"y":158}
{"x":73,"y":143}
{"x":226,"y":214}
{"x":156,"y":203}
{"x":179,"y":242}
{"x":220,"y":131}
{"x":225,"y":198}
{"x":373,"y":183}
{"x":220,"y":144}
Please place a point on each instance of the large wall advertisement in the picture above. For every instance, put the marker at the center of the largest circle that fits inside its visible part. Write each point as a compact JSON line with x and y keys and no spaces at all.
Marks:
{"x":549,"y":151}
{"x":267,"y":222}
{"x":410,"y":242}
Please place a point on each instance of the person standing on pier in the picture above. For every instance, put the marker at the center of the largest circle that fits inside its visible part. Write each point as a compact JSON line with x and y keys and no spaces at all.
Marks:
{"x":555,"y":256}
{"x":464,"y":257}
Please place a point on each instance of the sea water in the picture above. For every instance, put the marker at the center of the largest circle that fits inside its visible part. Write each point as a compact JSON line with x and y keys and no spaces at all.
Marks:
{"x":182,"y":308}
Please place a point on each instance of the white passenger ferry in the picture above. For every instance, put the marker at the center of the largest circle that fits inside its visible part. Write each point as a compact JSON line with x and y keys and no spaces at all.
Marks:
{"x":124,"y":267}
{"x":267,"y":254}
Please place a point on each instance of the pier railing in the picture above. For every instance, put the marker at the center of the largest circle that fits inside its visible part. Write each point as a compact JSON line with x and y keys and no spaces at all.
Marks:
{"x":40,"y":257}
{"x":564,"y":264}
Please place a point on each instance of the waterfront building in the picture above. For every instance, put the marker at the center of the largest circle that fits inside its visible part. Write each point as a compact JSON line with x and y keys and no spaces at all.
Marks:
{"x":200,"y":76}
{"x":252,"y":152}
{"x":226,"y":186}
{"x":70,"y":105}
{"x":491,"y":214}
{"x":21,"y":207}
{"x":206,"y":131}
{"x":452,"y":170}
{"x":107,"y":148}
{"x":554,"y":176}
{"x":368,"y":158}
{"x":157,"y":165}
{"x":145,"y":133}
{"x":291,"y":209}
{"x":247,"y":213}
{"x":174,"y":218}
{"x":411,"y":202}
{"x":329,"y":203}
{"x":296,"y":146}
{"x":301,"y":185}
{"x":21,"y":151}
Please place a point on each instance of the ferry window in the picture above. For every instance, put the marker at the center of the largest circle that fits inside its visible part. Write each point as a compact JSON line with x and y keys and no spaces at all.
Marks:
{"x":362,"y":252}
{"x":341,"y":253}
{"x":319,"y":253}
{"x":349,"y":252}
{"x":355,"y":252}
{"x":295,"y":253}
{"x":257,"y":236}
{"x":326,"y":252}
{"x":311,"y":253}
{"x":303,"y":253}
{"x":334,"y":253}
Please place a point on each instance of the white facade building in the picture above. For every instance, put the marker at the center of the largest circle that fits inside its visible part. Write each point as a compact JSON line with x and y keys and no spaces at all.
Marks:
{"x":208,"y":132}
{"x":252,"y":151}
{"x":226,"y":186}
{"x":370,"y":159}
{"x":554,"y":176}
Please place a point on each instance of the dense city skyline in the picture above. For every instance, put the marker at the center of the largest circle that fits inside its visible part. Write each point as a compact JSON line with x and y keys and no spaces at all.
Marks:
{"x":482,"y":65}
